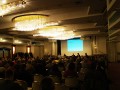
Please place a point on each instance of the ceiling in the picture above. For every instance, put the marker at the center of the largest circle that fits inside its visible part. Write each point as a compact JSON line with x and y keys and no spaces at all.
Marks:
{"x":84,"y":17}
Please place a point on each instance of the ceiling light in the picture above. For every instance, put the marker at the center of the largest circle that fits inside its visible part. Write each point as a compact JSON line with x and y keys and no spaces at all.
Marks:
{"x":17,"y":42}
{"x":2,"y":40}
{"x":8,"y":7}
{"x":64,"y":36}
{"x":29,"y":22}
{"x":56,"y":32}
{"x":50,"y":31}
{"x":51,"y":24}
{"x":3,"y":2}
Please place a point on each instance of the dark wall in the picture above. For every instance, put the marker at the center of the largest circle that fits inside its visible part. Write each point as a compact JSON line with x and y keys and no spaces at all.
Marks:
{"x":58,"y":47}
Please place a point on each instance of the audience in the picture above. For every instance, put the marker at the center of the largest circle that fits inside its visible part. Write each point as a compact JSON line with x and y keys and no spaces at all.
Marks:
{"x":25,"y":68}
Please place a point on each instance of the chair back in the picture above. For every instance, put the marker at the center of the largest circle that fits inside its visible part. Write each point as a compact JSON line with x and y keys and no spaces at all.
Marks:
{"x":55,"y":79}
{"x":22,"y":83}
{"x":71,"y":82}
{"x":38,"y":77}
{"x":36,"y":85}
{"x":59,"y":86}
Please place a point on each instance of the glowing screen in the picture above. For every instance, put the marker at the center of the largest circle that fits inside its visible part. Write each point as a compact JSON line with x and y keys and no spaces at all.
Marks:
{"x":74,"y":45}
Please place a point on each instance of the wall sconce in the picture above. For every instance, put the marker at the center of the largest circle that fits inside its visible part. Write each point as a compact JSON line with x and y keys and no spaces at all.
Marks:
{"x":14,"y":49}
{"x":95,"y":46}
{"x":28,"y":49}
{"x":95,"y":43}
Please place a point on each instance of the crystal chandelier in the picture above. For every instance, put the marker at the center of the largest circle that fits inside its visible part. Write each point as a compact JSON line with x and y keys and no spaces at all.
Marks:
{"x":29,"y":22}
{"x":50,"y":31}
{"x":3,"y":2}
{"x":55,"y":32}
{"x":64,"y":36}
{"x":8,"y":7}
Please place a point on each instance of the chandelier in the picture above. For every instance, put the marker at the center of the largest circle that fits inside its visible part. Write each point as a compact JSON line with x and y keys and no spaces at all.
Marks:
{"x":50,"y":31}
{"x":64,"y":36}
{"x":30,"y":22}
{"x":55,"y":32}
{"x":3,"y":2}
{"x":8,"y":7}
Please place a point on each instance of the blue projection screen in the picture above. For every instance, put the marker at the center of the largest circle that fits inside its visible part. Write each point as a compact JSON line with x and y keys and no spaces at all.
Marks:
{"x":74,"y":45}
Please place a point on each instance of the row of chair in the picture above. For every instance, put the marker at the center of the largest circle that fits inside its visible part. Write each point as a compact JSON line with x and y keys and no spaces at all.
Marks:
{"x":70,"y":82}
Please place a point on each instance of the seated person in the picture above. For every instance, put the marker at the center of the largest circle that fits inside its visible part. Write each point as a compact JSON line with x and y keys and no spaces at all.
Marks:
{"x":70,"y":72}
{"x":8,"y":83}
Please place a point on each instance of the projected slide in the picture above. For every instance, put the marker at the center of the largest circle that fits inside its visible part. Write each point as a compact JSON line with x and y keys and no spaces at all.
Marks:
{"x":74,"y":45}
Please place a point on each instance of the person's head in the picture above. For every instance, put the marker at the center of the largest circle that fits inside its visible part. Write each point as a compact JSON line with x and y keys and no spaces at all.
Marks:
{"x":47,"y":84}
